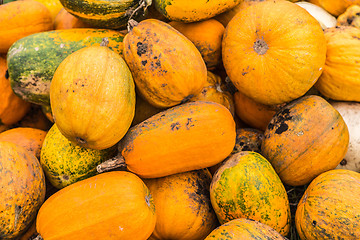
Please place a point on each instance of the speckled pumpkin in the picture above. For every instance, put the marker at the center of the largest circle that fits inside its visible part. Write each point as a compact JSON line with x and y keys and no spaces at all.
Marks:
{"x":167,"y":67}
{"x":65,"y":162}
{"x":304,"y":139}
{"x":22,"y":189}
{"x":92,"y":97}
{"x":247,"y":186}
{"x":273,"y":51}
{"x":183,"y":207}
{"x":242,"y":228}
{"x":329,"y":208}
{"x":351,"y":17}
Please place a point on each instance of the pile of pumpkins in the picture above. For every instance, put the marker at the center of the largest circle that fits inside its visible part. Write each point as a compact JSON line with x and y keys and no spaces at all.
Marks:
{"x":179,"y":119}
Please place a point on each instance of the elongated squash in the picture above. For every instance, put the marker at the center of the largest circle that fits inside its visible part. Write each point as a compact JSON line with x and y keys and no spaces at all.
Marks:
{"x":32,"y":60}
{"x":187,"y":137}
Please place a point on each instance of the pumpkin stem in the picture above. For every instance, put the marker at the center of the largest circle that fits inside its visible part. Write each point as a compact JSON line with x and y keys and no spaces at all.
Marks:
{"x":260,"y":46}
{"x":116,"y":162}
{"x":104,"y":42}
{"x":131,"y":24}
{"x":1,"y":2}
{"x":143,"y":5}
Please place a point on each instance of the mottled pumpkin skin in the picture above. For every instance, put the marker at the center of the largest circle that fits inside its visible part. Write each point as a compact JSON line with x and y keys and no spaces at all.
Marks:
{"x":263,"y":40}
{"x":65,"y":20}
{"x":167,"y":67}
{"x":65,"y":162}
{"x":329,"y":208}
{"x":22,"y":189}
{"x":247,"y":186}
{"x":335,"y":7}
{"x":193,"y":11}
{"x":29,"y":138}
{"x":187,"y":137}
{"x":20,"y":19}
{"x":12,"y":107}
{"x":340,"y":80}
{"x":183,"y":207}
{"x":305,"y":138}
{"x":93,"y":102}
{"x":242,"y":228}
{"x":112,"y":205}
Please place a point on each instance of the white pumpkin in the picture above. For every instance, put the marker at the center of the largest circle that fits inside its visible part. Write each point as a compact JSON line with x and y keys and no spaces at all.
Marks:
{"x":325,"y":19}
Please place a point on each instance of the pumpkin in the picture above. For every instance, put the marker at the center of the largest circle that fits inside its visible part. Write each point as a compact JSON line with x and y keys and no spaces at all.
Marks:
{"x":35,"y":118}
{"x":213,"y":92}
{"x":12,"y":107}
{"x":22,"y":189}
{"x":187,"y":137}
{"x":206,"y":36}
{"x":65,"y":162}
{"x":183,"y":207}
{"x":93,"y":102}
{"x":113,"y":205}
{"x":305,"y":138}
{"x":106,"y":14}
{"x":329,"y":208}
{"x":20,"y":19}
{"x":30,"y":232}
{"x":339,"y":80}
{"x":335,"y":7}
{"x":163,"y":77}
{"x":65,"y":20}
{"x":193,"y":11}
{"x":242,"y":228}
{"x":54,"y":6}
{"x":325,"y":19}
{"x":29,"y":138}
{"x":247,"y":186}
{"x":350,"y":17}
{"x":256,"y":50}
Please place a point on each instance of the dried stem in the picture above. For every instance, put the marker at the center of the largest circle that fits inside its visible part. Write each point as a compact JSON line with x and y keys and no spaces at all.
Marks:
{"x":116,"y":162}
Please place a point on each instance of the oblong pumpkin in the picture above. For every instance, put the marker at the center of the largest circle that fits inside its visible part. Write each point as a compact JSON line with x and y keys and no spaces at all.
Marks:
{"x":273,"y":61}
{"x":32,"y":60}
{"x":242,"y":228}
{"x":113,"y":205}
{"x":92,"y":97}
{"x":329,"y":208}
{"x":22,"y":18}
{"x":187,"y":137}
{"x":247,"y":186}
{"x":305,"y":138}
{"x":22,"y":189}
{"x":163,"y":76}
{"x":183,"y":207}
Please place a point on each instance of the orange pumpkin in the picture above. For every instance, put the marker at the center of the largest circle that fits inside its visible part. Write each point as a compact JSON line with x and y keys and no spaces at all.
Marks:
{"x":65,"y":20}
{"x":335,"y":7}
{"x":304,"y":139}
{"x":22,"y":18}
{"x":12,"y":107}
{"x":273,"y":61}
{"x":113,"y":205}
{"x":35,"y":118}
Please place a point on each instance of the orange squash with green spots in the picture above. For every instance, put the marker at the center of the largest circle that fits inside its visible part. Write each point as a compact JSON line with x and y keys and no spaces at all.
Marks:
{"x":329,"y":208}
{"x":183,"y":207}
{"x":22,"y":189}
{"x":247,"y":186}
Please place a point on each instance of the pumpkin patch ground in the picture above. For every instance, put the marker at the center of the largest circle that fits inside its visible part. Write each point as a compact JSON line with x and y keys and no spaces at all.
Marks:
{"x":179,"y":119}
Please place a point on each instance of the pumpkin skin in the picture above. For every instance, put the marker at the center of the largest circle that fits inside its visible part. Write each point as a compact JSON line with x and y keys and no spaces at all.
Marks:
{"x":93,"y":102}
{"x":112,"y":205}
{"x":54,"y":6}
{"x":177,"y":134}
{"x":350,"y":17}
{"x":64,"y":162}
{"x":20,"y":19}
{"x":242,"y":228}
{"x":339,"y":80}
{"x":163,"y":77}
{"x":247,"y":186}
{"x":12,"y":107}
{"x":206,"y":36}
{"x":183,"y":207}
{"x":22,"y":189}
{"x":252,"y":51}
{"x":329,"y":208}
{"x":335,"y":7}
{"x":305,"y":138}
{"x":29,"y":138}
{"x":193,"y":11}
{"x":65,"y":20}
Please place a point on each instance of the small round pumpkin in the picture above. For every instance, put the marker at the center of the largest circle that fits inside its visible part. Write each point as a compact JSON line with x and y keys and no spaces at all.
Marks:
{"x":22,"y":189}
{"x":304,"y":139}
{"x":183,"y":207}
{"x":92,"y":97}
{"x":273,"y":51}
{"x":329,"y":208}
